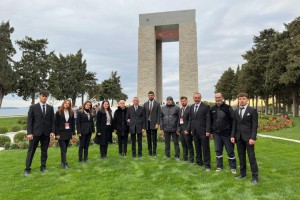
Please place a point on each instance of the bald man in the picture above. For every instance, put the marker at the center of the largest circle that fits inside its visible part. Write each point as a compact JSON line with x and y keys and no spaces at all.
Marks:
{"x":222,"y":121}
{"x":200,"y":127}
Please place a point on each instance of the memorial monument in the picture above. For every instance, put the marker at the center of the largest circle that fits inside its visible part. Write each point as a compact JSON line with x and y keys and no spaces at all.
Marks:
{"x":156,"y":28}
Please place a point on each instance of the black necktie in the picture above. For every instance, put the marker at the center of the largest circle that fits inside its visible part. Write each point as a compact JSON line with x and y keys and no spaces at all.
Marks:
{"x":241,"y":112}
{"x":44,"y":111}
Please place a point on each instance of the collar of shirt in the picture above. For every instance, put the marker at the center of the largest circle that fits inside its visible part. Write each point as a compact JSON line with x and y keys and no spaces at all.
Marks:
{"x":41,"y":105}
{"x":245,"y":106}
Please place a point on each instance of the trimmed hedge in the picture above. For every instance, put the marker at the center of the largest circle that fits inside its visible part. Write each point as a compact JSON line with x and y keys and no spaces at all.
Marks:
{"x":19,"y":137}
{"x":3,"y":140}
{"x":3,"y":130}
{"x":15,"y":128}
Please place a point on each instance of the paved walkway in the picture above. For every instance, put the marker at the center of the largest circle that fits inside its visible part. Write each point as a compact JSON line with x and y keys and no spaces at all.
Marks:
{"x":278,"y":138}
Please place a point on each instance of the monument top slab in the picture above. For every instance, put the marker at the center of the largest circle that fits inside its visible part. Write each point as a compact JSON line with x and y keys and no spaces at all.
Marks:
{"x":167,"y":18}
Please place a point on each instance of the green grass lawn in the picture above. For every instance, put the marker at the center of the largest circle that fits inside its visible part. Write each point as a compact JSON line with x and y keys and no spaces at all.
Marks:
{"x":291,"y":133}
{"x":150,"y":178}
{"x":9,"y":122}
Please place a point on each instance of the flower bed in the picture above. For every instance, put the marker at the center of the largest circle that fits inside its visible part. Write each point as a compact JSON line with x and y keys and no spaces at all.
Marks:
{"x":272,"y":123}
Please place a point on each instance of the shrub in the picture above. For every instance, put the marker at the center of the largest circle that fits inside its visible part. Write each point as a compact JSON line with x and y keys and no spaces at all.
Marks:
{"x":114,"y":137}
{"x":6,"y":145}
{"x":3,"y":130}
{"x":22,"y":120}
{"x":23,"y":144}
{"x":19,"y":137}
{"x":161,"y":137}
{"x":3,"y":140}
{"x":14,"y":146}
{"x":24,"y":127}
{"x":15,"y":128}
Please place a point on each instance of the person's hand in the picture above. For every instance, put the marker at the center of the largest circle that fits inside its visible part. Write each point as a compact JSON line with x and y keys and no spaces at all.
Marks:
{"x":98,"y":133}
{"x":156,"y":126}
{"x":251,"y":142}
{"x":232,"y":140}
{"x":29,"y":137}
{"x":143,"y":130}
{"x":52,"y":135}
{"x":186,"y":132}
{"x":128,"y":120}
{"x":177,"y":132}
{"x":58,"y":137}
{"x":207,"y":134}
{"x":79,"y":135}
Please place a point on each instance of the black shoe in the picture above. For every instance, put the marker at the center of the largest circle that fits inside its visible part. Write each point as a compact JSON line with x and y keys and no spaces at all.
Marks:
{"x":44,"y":170}
{"x":26,"y":173}
{"x":240,"y":176}
{"x":254,"y":182}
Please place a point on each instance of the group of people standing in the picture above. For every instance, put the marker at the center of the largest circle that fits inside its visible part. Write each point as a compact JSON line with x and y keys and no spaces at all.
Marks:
{"x":194,"y":124}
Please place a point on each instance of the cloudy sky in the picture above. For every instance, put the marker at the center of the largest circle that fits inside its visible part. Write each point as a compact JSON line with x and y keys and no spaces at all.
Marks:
{"x":107,"y":33}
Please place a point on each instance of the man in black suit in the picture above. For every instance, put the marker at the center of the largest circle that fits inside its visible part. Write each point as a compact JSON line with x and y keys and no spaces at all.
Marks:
{"x":200,"y":127}
{"x":186,"y":138}
{"x":244,"y":133}
{"x":152,"y":118}
{"x":40,"y":127}
{"x":135,"y":119}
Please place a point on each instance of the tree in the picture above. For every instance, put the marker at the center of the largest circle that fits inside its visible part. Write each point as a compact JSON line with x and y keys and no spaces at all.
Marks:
{"x":111,"y":88}
{"x":7,"y":51}
{"x":291,"y":77}
{"x":69,"y":77}
{"x":32,"y":70}
{"x":227,"y":84}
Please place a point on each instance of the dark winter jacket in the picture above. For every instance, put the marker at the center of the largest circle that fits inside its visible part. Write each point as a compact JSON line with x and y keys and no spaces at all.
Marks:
{"x":169,"y":118}
{"x":222,"y":119}
{"x":119,"y":122}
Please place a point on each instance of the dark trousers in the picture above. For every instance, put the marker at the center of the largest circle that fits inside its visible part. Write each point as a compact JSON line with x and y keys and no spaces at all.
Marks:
{"x":187,"y":146}
{"x":221,"y":141}
{"x":84,"y":146}
{"x":133,"y":143}
{"x":152,"y":140}
{"x":168,"y":143}
{"x":63,"y":144}
{"x":103,"y":150}
{"x":122,"y":141}
{"x":242,"y":147}
{"x":202,"y":145}
{"x":32,"y":148}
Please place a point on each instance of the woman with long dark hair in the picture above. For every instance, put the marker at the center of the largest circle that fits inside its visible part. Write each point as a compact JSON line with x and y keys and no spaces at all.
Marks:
{"x":104,"y":128}
{"x":85,"y":128}
{"x":64,"y":129}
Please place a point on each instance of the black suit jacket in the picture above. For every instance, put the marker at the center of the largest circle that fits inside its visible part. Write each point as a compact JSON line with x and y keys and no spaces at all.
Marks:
{"x":137,"y":122}
{"x":246,"y":128}
{"x":60,"y":129}
{"x":83,"y":124}
{"x":155,"y":114}
{"x":37,"y":123}
{"x":199,"y":122}
{"x":186,"y":117}
{"x":101,"y":121}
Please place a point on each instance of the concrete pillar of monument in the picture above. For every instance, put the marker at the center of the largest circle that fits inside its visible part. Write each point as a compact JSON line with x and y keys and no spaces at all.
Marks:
{"x":188,"y":67}
{"x":159,"y":90}
{"x":146,"y":62}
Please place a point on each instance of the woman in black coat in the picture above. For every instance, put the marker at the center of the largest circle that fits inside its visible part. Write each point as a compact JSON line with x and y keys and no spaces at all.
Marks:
{"x":64,"y":129}
{"x":104,"y":128}
{"x":85,"y":128}
{"x":121,"y":127}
